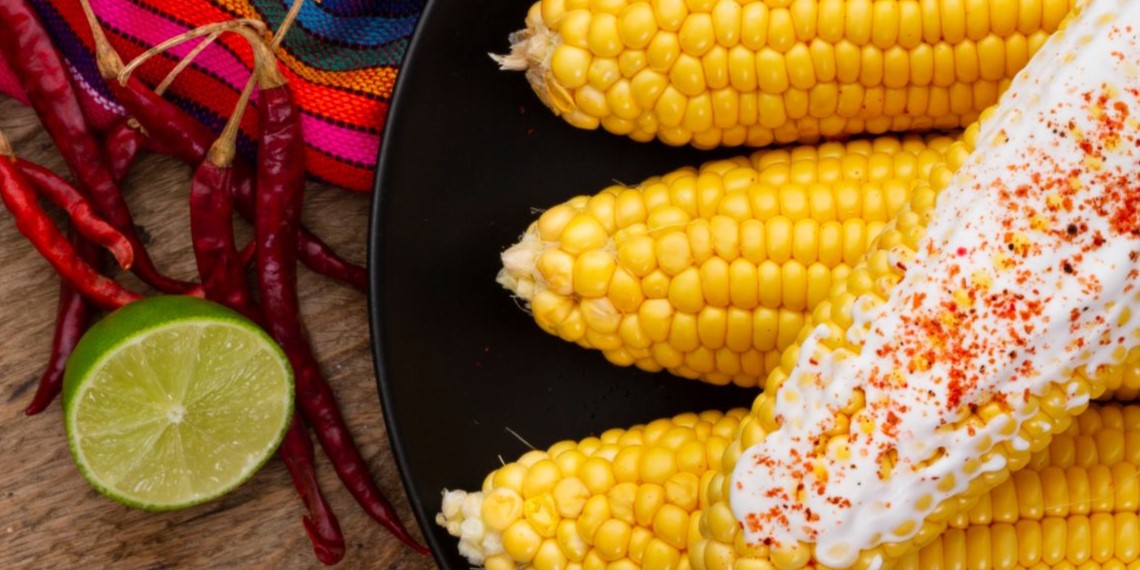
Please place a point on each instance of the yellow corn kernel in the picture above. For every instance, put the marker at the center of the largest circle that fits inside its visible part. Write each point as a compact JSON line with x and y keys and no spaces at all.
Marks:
{"x":540,"y":478}
{"x":697,"y":35}
{"x":771,"y":71}
{"x":637,"y":25}
{"x":670,"y":13}
{"x":670,"y":107}
{"x":727,"y":16}
{"x":570,"y":66}
{"x":582,"y":233}
{"x":688,"y":75}
{"x":781,"y":32}
{"x":521,"y":542}
{"x":683,"y":333}
{"x":621,"y":496}
{"x":549,"y":556}
{"x":603,"y":37}
{"x":714,"y":63}
{"x":649,"y":498}
{"x":592,"y":273}
{"x":633,"y":336}
{"x":662,"y":50}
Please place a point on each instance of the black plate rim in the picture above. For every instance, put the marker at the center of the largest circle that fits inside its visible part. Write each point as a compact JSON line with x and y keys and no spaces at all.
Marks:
{"x":591,"y":383}
{"x":375,"y":312}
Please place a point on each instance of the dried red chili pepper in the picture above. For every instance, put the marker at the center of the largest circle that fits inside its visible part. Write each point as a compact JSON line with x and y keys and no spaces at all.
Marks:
{"x":72,"y":317}
{"x":219,"y":263}
{"x":83,"y":219}
{"x":321,"y":524}
{"x":18,"y":196}
{"x":127,"y":137}
{"x":189,"y":140}
{"x":29,"y":52}
{"x":123,"y":143}
{"x":280,"y":194}
{"x":222,"y":270}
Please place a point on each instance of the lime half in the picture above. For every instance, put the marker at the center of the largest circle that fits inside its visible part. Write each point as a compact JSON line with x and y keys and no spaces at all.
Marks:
{"x":173,"y":401}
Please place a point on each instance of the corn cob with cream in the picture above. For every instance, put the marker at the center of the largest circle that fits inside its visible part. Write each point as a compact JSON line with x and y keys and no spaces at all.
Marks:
{"x":738,"y":72}
{"x":711,"y":273}
{"x":988,"y":314}
{"x":633,"y":498}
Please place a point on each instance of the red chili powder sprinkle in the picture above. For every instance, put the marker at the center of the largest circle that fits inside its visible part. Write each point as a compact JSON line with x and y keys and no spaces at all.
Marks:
{"x":972,"y":331}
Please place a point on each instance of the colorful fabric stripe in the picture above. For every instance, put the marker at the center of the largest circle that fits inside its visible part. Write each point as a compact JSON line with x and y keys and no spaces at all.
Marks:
{"x":341,"y":58}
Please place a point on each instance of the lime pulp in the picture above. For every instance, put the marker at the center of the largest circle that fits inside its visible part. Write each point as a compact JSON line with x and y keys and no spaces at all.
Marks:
{"x":173,"y":401}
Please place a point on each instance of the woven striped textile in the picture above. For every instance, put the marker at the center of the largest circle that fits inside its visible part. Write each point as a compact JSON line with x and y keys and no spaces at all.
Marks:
{"x":340,"y":57}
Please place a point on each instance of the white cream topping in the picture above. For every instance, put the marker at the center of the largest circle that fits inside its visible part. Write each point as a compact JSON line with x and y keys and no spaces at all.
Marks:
{"x":1028,"y":272}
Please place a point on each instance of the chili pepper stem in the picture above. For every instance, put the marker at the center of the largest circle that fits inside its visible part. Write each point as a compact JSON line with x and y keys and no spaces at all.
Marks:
{"x":224,"y":149}
{"x":264,"y":61}
{"x":106,"y":58}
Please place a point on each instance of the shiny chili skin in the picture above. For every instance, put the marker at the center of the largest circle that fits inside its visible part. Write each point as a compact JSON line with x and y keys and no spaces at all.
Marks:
{"x":222,"y":271}
{"x":189,"y":140}
{"x":34,"y":223}
{"x":321,"y":524}
{"x":280,"y":193}
{"x":122,"y":144}
{"x":29,"y":52}
{"x":211,"y":232}
{"x":83,"y":219}
{"x":73,"y":315}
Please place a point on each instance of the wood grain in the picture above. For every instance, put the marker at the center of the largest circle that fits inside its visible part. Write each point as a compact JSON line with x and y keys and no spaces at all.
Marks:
{"x":50,"y":518}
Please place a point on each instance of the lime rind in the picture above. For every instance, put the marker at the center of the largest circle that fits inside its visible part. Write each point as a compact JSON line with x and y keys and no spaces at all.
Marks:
{"x":144,"y":427}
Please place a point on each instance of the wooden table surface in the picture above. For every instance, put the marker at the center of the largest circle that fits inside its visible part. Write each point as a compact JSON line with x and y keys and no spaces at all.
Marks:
{"x":50,"y":518}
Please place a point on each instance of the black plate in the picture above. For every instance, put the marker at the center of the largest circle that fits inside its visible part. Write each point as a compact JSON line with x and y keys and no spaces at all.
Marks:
{"x":469,"y":155}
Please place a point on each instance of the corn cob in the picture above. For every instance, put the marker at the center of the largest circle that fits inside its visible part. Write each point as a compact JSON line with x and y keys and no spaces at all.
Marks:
{"x":711,"y":272}
{"x":915,"y":395}
{"x":736,"y":72}
{"x":627,"y":496}
{"x":633,"y":498}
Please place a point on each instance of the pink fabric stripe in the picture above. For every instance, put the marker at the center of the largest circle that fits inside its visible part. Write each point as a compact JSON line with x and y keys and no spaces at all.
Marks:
{"x":153,"y":29}
{"x":353,"y":146}
{"x":337,"y":141}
